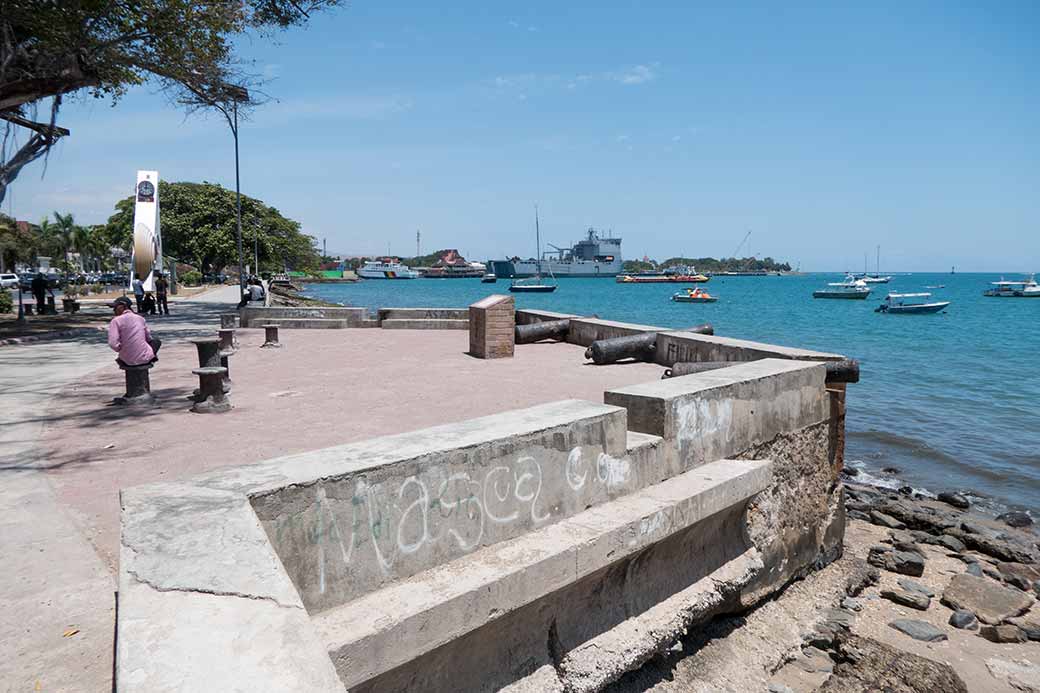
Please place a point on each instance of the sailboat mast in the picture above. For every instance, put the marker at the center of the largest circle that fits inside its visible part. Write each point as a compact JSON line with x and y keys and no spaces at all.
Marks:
{"x":879,"y":260}
{"x":537,"y":241}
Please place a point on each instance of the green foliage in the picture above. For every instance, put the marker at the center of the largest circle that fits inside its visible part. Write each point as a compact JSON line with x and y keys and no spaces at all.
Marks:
{"x":191,"y":278}
{"x":710,"y":264}
{"x":51,"y":48}
{"x":6,"y":302}
{"x":198,"y":226}
{"x":637,"y":266}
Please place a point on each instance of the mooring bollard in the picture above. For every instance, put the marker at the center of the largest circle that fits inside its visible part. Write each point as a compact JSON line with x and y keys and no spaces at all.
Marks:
{"x":227,"y":339}
{"x":227,"y":320}
{"x":225,"y":355}
{"x":211,"y":398}
{"x":138,"y":386}
{"x":271,"y":338}
{"x":210,"y":356}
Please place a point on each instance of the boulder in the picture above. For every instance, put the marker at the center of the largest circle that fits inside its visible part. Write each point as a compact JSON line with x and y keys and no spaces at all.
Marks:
{"x":911,"y":586}
{"x":1003,"y":634}
{"x":950,"y":542}
{"x":974,"y":569}
{"x":1028,"y":624}
{"x":880,"y":518}
{"x":1016,"y":518}
{"x":1020,"y":675}
{"x":990,"y":602}
{"x":918,"y":630}
{"x":964,"y":619}
{"x":1020,"y":575}
{"x":867,"y":665}
{"x":955,"y":499}
{"x":902,"y":562}
{"x":914,"y":600}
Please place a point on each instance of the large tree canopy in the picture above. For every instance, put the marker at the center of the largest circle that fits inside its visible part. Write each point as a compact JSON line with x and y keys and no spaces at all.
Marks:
{"x":52,"y":48}
{"x":197,"y":222}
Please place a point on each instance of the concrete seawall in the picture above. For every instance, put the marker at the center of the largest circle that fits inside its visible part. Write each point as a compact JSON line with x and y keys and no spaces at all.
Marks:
{"x":550,"y":548}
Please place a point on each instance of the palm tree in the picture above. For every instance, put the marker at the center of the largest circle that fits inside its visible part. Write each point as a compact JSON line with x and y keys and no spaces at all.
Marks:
{"x":70,"y":233}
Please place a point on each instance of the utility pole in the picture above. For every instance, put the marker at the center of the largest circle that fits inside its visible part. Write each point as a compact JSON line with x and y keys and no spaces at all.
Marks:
{"x":417,"y":252}
{"x":324,"y":248}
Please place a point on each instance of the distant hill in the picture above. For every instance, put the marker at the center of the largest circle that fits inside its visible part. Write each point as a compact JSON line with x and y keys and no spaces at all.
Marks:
{"x":710,"y":264}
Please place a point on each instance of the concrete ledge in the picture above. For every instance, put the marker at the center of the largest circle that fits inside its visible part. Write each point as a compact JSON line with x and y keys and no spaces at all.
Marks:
{"x":585,"y":331}
{"x":528,"y":316}
{"x":721,"y":413}
{"x":424,"y":313}
{"x":255,"y":316}
{"x":425,"y":324}
{"x":386,"y":628}
{"x":674,"y":347}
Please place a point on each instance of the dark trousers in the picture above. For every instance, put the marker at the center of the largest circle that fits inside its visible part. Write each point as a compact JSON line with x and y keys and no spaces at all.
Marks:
{"x":138,"y":300}
{"x":41,"y":304}
{"x":160,"y":302}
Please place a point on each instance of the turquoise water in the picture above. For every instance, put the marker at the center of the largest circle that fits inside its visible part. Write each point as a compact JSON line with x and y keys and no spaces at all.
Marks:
{"x":950,"y":400}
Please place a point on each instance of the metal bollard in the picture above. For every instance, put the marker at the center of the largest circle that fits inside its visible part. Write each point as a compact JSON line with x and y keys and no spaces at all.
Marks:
{"x":271,"y":338}
{"x":211,"y":398}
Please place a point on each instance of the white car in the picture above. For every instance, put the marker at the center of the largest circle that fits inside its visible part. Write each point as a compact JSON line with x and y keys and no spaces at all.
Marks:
{"x":8,"y":281}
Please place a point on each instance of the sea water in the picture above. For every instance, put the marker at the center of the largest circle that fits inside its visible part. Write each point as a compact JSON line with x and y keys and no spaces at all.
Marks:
{"x":951,"y":401}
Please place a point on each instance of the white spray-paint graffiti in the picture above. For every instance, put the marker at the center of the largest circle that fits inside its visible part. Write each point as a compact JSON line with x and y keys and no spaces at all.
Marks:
{"x":699,"y":420}
{"x":388,"y":524}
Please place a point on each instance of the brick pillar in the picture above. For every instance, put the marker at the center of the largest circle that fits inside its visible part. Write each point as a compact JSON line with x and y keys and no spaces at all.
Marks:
{"x":837,"y":393}
{"x":491,"y":324}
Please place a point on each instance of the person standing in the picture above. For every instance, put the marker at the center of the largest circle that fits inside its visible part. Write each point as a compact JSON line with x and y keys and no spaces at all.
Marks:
{"x":162,"y":287}
{"x":39,"y":292}
{"x":138,"y":291}
{"x":128,"y":335}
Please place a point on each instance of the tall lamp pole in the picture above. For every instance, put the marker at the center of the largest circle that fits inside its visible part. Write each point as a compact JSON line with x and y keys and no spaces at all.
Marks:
{"x":238,"y":94}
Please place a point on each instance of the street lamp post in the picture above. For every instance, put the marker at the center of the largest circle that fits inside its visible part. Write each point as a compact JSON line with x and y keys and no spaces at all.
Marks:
{"x":237,"y":95}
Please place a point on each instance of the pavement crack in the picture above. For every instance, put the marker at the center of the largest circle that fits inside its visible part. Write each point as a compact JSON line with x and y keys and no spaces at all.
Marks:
{"x":213,"y":592}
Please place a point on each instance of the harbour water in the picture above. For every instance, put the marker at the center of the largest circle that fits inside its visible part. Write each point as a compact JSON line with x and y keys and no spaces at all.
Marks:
{"x":950,"y":401}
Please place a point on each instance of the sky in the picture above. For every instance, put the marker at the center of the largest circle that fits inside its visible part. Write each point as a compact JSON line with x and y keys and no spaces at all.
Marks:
{"x":826,"y":129}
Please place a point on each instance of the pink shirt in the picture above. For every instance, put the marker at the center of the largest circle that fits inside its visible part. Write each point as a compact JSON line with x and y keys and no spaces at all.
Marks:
{"x":128,"y":334}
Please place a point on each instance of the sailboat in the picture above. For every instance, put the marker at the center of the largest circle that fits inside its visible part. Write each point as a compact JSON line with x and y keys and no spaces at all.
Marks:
{"x":875,"y":278}
{"x":535,"y":284}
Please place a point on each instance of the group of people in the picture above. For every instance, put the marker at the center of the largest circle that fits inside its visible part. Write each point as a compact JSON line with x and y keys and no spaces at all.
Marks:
{"x":253,"y":292}
{"x":150,"y":304}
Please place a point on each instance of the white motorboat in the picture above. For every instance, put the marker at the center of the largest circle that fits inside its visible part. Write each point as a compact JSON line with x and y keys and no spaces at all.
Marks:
{"x":910,"y":304}
{"x":386,"y":269}
{"x":1027,"y":288}
{"x":850,"y":288}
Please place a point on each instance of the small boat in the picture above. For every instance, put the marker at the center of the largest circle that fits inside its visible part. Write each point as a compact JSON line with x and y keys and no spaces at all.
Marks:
{"x":489,"y":278}
{"x":936,"y":286}
{"x":910,"y":304}
{"x":697,"y":295}
{"x":662,"y":278}
{"x":850,"y":288}
{"x":535,"y":284}
{"x":877,"y":277}
{"x":1027,"y":288}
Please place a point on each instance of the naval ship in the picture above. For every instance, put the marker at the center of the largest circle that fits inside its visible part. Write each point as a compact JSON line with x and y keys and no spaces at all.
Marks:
{"x":591,"y":257}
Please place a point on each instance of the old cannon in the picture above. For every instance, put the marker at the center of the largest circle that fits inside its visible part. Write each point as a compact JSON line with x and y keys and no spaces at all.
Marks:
{"x":636,"y":346}
{"x":843,"y":371}
{"x":537,"y":331}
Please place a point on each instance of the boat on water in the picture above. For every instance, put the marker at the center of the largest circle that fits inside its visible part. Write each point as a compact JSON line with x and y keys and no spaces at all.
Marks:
{"x":681,"y":276}
{"x":697,"y":295}
{"x":536,"y":284}
{"x":489,"y":278}
{"x":386,"y":268}
{"x":1027,"y":288}
{"x":850,"y":288}
{"x":593,"y":256}
{"x":877,"y":277}
{"x":910,"y":304}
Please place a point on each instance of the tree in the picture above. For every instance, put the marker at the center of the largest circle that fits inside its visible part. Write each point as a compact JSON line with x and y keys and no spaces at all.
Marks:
{"x":53,"y":48}
{"x":198,"y":227}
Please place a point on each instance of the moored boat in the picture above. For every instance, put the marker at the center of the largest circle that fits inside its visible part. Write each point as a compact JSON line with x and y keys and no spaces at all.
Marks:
{"x":910,"y":304}
{"x":850,"y":288}
{"x":386,"y":269}
{"x":537,"y":283}
{"x":489,"y":278}
{"x":662,"y":278}
{"x":697,"y":295}
{"x":1027,"y":288}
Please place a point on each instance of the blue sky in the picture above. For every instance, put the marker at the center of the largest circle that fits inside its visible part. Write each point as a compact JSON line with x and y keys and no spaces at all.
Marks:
{"x":824,"y":128}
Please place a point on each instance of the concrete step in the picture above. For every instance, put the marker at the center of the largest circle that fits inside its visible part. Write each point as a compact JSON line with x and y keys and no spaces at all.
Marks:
{"x":425,"y":324}
{"x":393,"y":625}
{"x":424,"y":314}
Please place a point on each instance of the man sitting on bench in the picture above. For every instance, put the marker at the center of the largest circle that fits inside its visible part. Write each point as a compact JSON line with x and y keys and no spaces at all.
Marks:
{"x":128,"y":335}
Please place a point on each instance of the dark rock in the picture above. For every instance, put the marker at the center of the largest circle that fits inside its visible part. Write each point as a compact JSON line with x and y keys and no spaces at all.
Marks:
{"x":839,"y":618}
{"x":851,"y":604}
{"x":850,"y":471}
{"x":995,"y":574}
{"x":955,"y":499}
{"x":1016,"y":518}
{"x":822,"y":637}
{"x":972,"y":528}
{"x":918,"y":630}
{"x":906,"y":490}
{"x":998,"y":548}
{"x":814,"y":660}
{"x":922,"y":536}
{"x":861,"y":506}
{"x":966,"y":557}
{"x":1024,"y":577}
{"x":974,"y":569}
{"x":897,"y":536}
{"x":908,"y":546}
{"x":914,"y":600}
{"x":1003,"y":634}
{"x":902,"y":562}
{"x":867,"y":665}
{"x":989,"y":601}
{"x":964,"y":619}
{"x":950,"y":542}
{"x":911,"y":586}
{"x":890,"y":470}
{"x":858,"y":515}
{"x":880,"y":518}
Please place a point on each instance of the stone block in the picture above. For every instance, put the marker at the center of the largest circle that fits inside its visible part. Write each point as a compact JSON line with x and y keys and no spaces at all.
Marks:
{"x":492,"y":321}
{"x":674,"y":347}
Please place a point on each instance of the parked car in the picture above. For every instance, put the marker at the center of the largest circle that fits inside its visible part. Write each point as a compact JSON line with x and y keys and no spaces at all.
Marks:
{"x":8,"y":281}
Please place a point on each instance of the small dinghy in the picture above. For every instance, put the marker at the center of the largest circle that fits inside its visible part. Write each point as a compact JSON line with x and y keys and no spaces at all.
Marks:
{"x":697,"y":295}
{"x":910,"y":304}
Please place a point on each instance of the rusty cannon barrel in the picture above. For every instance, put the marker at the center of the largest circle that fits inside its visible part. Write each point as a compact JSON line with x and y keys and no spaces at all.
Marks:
{"x":636,"y":346}
{"x":537,"y":331}
{"x":844,"y":371}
